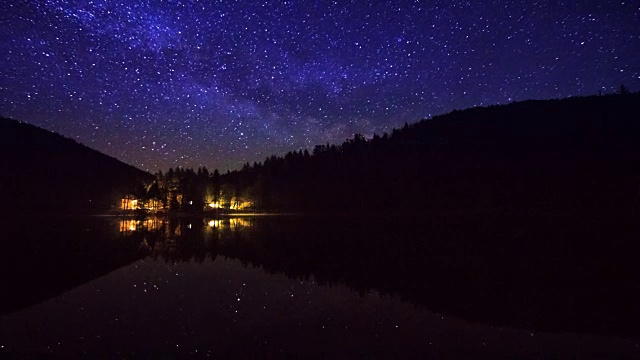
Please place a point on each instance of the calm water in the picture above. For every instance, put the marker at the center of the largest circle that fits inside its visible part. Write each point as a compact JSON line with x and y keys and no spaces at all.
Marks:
{"x":449,"y":287}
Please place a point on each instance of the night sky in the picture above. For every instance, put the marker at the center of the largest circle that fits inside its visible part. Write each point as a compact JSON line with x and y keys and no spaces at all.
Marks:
{"x":218,"y":83}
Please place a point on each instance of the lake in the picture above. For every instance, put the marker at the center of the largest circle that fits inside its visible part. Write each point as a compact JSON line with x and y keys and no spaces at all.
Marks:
{"x":481,"y":286}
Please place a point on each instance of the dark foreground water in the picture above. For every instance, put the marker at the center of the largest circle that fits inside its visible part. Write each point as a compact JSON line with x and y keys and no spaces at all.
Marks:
{"x":448,"y":287}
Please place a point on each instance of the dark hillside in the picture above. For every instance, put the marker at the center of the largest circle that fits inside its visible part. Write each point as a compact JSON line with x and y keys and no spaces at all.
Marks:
{"x":43,"y":172}
{"x":569,"y":155}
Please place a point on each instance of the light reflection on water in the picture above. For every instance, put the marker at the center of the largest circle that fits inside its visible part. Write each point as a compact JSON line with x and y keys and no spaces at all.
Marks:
{"x":128,"y":225}
{"x":149,"y":224}
{"x":242,"y":286}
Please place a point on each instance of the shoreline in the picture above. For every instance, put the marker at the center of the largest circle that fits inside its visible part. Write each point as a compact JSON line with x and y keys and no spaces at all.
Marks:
{"x":523,"y":214}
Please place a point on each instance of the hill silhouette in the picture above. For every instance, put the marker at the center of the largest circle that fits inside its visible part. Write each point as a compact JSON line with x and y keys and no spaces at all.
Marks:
{"x":44,"y":172}
{"x":563,"y":156}
{"x":574,"y":155}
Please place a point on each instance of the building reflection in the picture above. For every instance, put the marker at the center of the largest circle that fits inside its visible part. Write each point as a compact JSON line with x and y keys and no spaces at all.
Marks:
{"x":216,"y":223}
{"x":181,"y":239}
{"x":174,"y":228}
{"x":229,"y":223}
{"x":148,"y":224}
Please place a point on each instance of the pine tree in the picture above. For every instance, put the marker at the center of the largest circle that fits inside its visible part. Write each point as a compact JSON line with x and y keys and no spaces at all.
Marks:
{"x":623,"y":90}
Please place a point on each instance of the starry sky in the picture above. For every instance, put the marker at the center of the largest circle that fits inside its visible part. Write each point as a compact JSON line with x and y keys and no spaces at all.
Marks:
{"x":159,"y":84}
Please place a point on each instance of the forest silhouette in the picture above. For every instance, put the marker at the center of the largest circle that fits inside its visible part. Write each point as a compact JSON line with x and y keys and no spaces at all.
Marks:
{"x":572,"y":155}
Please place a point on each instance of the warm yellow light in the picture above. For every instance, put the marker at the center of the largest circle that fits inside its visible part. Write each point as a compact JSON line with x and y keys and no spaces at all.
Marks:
{"x":214,"y":223}
{"x":127,"y":225}
{"x":240,"y":205}
{"x":214,"y":205}
{"x":238,"y":223}
{"x":129,"y":204}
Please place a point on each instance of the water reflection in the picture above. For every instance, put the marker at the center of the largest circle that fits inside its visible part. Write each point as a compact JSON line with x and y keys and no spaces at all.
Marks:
{"x":234,"y":223}
{"x":254,"y":286}
{"x":149,"y":224}
{"x":533,"y":282}
{"x":46,"y":256}
{"x":154,"y":224}
{"x":513,"y":273}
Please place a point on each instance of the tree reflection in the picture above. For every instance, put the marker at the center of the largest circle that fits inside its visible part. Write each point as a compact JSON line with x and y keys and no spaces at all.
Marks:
{"x":519,"y":271}
{"x":45,"y":256}
{"x":438,"y":264}
{"x":186,"y":239}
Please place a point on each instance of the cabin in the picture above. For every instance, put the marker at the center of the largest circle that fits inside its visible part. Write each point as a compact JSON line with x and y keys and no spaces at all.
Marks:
{"x":131,"y":203}
{"x":234,"y":204}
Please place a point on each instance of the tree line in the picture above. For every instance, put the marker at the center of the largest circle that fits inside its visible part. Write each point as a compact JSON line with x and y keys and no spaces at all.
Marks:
{"x":575,"y":153}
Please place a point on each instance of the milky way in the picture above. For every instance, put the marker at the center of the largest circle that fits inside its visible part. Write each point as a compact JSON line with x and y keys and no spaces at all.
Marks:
{"x":220,"y":83}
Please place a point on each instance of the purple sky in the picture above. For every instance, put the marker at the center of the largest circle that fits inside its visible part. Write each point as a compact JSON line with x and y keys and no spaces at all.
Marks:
{"x":164,"y":83}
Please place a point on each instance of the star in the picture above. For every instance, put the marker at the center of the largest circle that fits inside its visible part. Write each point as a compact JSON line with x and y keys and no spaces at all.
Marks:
{"x":219,"y":84}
